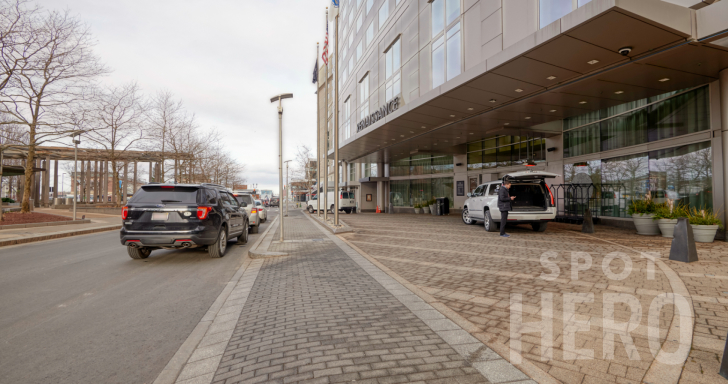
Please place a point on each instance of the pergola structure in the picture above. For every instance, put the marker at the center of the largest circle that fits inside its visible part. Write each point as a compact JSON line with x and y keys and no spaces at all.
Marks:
{"x":92,"y":172}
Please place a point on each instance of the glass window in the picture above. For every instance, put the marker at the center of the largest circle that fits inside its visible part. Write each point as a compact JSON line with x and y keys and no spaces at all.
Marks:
{"x":493,"y":190}
{"x":489,"y":158}
{"x":351,"y":39}
{"x":351,"y":17}
{"x":442,"y":164}
{"x":438,"y":16}
{"x":352,"y":172}
{"x":552,"y":10}
{"x":453,"y":11}
{"x":370,"y":3}
{"x":392,"y":66}
{"x":383,"y":13}
{"x":478,"y":190}
{"x":582,"y":2}
{"x":475,"y":160}
{"x":443,"y":187}
{"x":351,"y":64}
{"x":373,"y":170}
{"x":347,"y":115}
{"x":364,"y":89}
{"x":370,"y":34}
{"x":438,"y":61}
{"x":359,"y":51}
{"x":631,"y":172}
{"x":453,"y":51}
{"x":683,"y":174}
{"x":359,"y":21}
{"x":399,"y":195}
{"x":421,"y":190}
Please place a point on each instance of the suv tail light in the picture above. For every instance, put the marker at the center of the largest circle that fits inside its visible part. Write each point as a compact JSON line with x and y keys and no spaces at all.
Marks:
{"x":550,"y":194}
{"x":254,"y":210}
{"x":124,"y":213}
{"x":203,"y":212}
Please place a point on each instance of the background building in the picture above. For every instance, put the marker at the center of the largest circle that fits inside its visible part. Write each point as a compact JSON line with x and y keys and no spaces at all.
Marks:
{"x":436,"y":97}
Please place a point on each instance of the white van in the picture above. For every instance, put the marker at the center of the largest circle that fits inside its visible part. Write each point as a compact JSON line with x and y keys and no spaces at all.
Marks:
{"x":346,"y":202}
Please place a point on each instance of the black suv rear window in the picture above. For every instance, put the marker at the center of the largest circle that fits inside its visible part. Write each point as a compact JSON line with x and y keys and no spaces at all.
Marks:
{"x":165,"y":194}
{"x":247,"y":199}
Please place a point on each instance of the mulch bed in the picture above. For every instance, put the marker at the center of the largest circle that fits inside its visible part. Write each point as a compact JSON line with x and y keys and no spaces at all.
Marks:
{"x":29,"y":218}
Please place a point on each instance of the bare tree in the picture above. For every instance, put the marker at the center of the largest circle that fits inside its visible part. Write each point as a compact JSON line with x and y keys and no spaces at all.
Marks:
{"x":119,"y":112}
{"x":18,"y":42}
{"x":166,"y":116}
{"x":304,"y":172}
{"x":52,"y":85}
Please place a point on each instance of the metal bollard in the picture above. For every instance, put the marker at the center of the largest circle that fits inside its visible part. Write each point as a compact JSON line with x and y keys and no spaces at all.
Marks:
{"x":683,"y":243}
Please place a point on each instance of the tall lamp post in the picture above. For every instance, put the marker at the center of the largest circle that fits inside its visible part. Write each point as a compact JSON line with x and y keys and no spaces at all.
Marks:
{"x":279,"y":99}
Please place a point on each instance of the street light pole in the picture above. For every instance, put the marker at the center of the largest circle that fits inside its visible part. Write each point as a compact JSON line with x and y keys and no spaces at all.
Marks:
{"x":279,"y":99}
{"x":288,"y":187}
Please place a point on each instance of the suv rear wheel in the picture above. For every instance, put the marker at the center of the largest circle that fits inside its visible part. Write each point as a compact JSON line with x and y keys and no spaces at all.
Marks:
{"x":489,"y":224}
{"x":243,"y":238}
{"x":310,"y":209}
{"x":539,"y":227}
{"x":138,"y":253}
{"x":218,"y":249}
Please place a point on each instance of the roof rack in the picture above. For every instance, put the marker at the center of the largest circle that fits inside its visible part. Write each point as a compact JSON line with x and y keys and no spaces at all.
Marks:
{"x":213,"y":185}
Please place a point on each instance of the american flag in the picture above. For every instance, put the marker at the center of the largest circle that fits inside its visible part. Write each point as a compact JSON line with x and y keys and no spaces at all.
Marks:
{"x":325,"y":56}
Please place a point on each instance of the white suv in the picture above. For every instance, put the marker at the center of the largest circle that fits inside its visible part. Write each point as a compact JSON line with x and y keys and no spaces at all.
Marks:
{"x":534,"y":202}
{"x":346,"y":202}
{"x":248,"y":201}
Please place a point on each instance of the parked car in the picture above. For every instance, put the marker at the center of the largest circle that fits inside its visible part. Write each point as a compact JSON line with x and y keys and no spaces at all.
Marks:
{"x":249,"y":204}
{"x":172,"y":216}
{"x":346,"y":202}
{"x":534,"y":202}
{"x":274,"y":202}
{"x":262,"y":212}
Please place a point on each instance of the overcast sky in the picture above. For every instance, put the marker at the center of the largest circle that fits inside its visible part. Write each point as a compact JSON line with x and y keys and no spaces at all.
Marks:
{"x":224,"y":59}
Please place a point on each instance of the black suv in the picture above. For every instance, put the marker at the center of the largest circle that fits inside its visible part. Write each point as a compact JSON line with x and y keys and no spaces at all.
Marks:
{"x":274,"y":201}
{"x":170,"y":216}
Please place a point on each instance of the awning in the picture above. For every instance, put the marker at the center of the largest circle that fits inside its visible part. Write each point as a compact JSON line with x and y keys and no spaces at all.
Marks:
{"x":569,"y":68}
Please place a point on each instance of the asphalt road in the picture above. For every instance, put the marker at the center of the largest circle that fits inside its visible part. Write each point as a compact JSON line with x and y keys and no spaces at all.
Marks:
{"x":79,"y":310}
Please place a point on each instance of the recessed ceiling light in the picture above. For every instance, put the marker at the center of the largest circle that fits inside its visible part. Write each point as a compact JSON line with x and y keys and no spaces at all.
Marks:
{"x":619,"y":92}
{"x":470,"y":133}
{"x":458,"y":137}
{"x":452,"y":115}
{"x":506,"y":123}
{"x":392,"y":139}
{"x":592,"y":62}
{"x":528,"y":117}
{"x":446,"y":141}
{"x":551,"y":78}
{"x":493,"y":100}
{"x":423,"y":127}
{"x":412,"y":131}
{"x":582,"y":102}
{"x":553,"y":110}
{"x":434,"y":144}
{"x":664,"y":80}
{"x":401,"y":135}
{"x":519,"y":90}
{"x":470,"y":109}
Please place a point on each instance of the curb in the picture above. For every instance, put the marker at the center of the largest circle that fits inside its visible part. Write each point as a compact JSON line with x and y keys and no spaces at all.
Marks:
{"x":45,"y":224}
{"x":57,"y":235}
{"x":343,"y":227}
{"x":172,"y":371}
{"x":260,"y":250}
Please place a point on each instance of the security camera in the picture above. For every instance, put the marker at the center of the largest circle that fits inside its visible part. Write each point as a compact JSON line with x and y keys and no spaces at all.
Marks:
{"x":625,"y":51}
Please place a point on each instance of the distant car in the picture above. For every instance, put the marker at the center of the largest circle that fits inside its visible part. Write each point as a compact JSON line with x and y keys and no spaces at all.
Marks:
{"x":534,"y":202}
{"x":346,"y":202}
{"x":248,"y":203}
{"x":171,"y":216}
{"x":274,"y":202}
{"x":262,"y":212}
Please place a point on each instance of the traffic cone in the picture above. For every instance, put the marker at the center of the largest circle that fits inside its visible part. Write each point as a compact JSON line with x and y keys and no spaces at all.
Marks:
{"x":378,"y":211}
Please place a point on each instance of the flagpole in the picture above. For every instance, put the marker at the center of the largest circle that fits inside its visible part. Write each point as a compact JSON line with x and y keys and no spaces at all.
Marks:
{"x":318,"y":136}
{"x":336,"y":121}
{"x":326,"y":147}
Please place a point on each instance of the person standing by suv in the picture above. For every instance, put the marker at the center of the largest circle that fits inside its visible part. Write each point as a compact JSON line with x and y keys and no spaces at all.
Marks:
{"x":504,"y":206}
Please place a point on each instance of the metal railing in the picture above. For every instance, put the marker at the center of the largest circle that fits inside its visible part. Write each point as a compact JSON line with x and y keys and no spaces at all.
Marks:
{"x":603,"y":200}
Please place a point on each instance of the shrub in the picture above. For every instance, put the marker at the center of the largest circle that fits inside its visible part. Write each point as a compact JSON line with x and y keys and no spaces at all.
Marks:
{"x":642,"y":206}
{"x":670,"y":211}
{"x":8,"y":200}
{"x":704,"y":217}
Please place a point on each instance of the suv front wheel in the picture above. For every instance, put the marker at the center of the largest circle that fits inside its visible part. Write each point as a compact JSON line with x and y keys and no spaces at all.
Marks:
{"x":466,"y":217}
{"x":218,"y":249}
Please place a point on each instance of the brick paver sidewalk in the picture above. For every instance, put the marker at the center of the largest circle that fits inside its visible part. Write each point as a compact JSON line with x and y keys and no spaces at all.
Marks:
{"x":324,"y":314}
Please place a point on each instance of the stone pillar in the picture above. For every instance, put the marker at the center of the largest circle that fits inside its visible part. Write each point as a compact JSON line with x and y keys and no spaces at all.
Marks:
{"x":134,"y":183}
{"x":125,"y":183}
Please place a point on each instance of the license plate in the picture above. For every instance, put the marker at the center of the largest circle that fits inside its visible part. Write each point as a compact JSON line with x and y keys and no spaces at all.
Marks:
{"x":161,"y":216}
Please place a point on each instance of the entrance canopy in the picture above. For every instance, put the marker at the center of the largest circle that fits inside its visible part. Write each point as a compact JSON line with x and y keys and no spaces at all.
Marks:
{"x":568,"y":68}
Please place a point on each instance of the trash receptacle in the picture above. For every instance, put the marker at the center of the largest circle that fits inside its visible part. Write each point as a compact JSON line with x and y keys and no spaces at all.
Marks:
{"x":442,"y":205}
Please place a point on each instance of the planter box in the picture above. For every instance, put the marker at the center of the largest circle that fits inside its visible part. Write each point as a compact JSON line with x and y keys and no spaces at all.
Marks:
{"x":417,"y":210}
{"x":425,"y":209}
{"x":704,"y":233}
{"x":433,"y":211}
{"x":645,"y":225}
{"x":667,"y":227}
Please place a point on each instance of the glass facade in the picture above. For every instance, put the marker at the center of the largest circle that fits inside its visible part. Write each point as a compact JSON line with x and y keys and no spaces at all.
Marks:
{"x":407,"y":193}
{"x":422,"y":165}
{"x":505,"y":151}
{"x":683,"y":174}
{"x":642,"y":121}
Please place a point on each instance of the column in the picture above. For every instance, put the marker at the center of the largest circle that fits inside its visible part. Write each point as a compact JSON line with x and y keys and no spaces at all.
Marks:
{"x":55,"y":179}
{"x":125,"y":183}
{"x":97,"y":195}
{"x":151,"y":175}
{"x":46,"y":190}
{"x":724,"y":132}
{"x":36,"y":184}
{"x":105,"y":198}
{"x":89,"y":180}
{"x":134,"y":183}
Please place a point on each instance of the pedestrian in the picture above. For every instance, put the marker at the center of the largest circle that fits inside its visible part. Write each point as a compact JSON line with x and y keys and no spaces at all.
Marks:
{"x":504,"y":205}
